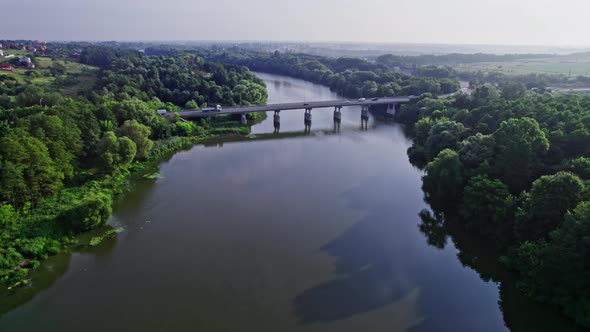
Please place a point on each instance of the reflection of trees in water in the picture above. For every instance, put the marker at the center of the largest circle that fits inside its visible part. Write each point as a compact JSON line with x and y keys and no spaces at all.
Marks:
{"x":125,"y":205}
{"x":42,"y":278}
{"x":519,"y":312}
{"x":432,"y":227}
{"x":53,"y":269}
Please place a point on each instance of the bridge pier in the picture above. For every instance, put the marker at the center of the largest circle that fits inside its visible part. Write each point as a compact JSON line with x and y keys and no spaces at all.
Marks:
{"x":243,"y":119}
{"x":277,"y":119}
{"x":337,"y":114}
{"x":393,"y":108}
{"x":336,"y":126}
{"x":364,"y":124}
{"x":365,"y":112}
{"x":307,"y":116}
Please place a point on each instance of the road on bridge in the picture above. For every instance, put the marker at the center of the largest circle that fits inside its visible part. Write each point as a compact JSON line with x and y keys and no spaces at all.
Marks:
{"x":188,"y":114}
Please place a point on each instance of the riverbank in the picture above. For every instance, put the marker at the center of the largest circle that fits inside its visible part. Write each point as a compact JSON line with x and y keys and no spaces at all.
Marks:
{"x":59,"y":221}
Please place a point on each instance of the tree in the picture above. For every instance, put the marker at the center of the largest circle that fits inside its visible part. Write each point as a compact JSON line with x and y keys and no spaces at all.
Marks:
{"x":544,"y":207}
{"x":191,"y":104}
{"x":422,"y":130}
{"x":476,"y":149}
{"x":485,"y":94}
{"x":443,"y":181}
{"x":558,"y":271}
{"x":513,"y":90}
{"x":486,"y":208}
{"x":116,"y":152}
{"x":91,"y":211}
{"x":580,"y":166}
{"x":30,"y":172}
{"x":108,"y":151}
{"x":127,"y":150}
{"x":139,"y":134}
{"x":444,"y":134}
{"x":520,"y":145}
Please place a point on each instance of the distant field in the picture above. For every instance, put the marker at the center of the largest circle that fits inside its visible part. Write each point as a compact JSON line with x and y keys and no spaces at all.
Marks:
{"x":567,"y":65}
{"x":80,"y":76}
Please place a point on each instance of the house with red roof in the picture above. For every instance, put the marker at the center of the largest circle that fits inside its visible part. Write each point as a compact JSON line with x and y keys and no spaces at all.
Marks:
{"x":6,"y":67}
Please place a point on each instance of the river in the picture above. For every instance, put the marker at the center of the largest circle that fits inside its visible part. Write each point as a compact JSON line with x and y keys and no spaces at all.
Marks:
{"x":281,"y":232}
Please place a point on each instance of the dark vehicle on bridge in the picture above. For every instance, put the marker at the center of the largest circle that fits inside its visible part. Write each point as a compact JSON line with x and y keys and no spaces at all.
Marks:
{"x":375,"y":99}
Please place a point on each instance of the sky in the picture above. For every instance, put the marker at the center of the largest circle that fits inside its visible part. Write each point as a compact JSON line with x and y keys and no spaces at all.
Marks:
{"x":502,"y":22}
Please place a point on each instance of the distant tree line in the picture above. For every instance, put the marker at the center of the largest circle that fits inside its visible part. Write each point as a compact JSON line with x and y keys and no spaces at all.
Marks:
{"x":179,"y":79}
{"x":414,"y":61}
{"x":350,"y":77}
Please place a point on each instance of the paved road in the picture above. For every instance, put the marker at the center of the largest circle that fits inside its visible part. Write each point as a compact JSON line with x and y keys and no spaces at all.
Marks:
{"x":187,"y":114}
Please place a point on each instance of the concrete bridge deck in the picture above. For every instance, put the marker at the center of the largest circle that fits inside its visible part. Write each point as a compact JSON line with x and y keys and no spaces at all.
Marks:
{"x":191,"y":114}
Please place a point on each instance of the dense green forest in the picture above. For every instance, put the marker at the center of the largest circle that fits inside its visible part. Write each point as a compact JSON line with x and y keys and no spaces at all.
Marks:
{"x":351,"y":77}
{"x":513,"y":168}
{"x":182,"y":79}
{"x":61,"y":162}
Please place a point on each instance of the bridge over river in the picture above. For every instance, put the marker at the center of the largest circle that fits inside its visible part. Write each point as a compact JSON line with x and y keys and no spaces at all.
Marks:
{"x":392,"y":102}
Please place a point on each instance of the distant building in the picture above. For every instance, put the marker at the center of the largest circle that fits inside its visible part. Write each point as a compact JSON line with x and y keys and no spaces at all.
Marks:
{"x":24,"y":60}
{"x":1,"y":53}
{"x":6,"y":67}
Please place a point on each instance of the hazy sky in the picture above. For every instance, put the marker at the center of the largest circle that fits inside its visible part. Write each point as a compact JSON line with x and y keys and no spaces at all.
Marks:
{"x":530,"y":22}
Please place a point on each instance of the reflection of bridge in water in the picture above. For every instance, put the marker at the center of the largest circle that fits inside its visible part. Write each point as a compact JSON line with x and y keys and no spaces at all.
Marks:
{"x":307,"y":132}
{"x":391,"y":102}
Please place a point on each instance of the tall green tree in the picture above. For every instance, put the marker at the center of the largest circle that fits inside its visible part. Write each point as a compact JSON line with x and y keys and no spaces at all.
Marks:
{"x":139,"y":134}
{"x":544,"y":207}
{"x":443,"y":181}
{"x":30,"y":172}
{"x":487,"y":208}
{"x":520,"y":146}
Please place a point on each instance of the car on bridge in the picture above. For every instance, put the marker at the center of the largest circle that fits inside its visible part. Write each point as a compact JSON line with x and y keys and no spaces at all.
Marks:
{"x":362,"y":99}
{"x":375,"y":99}
{"x":217,"y":108}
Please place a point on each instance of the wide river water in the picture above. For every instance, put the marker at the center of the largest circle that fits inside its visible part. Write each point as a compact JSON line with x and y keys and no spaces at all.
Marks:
{"x":288,"y":231}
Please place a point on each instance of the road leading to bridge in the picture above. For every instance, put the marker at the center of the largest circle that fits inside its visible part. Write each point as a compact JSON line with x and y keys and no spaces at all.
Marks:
{"x":189,"y":114}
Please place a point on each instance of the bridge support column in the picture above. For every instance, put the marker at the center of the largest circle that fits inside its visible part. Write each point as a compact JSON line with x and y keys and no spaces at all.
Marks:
{"x":307,"y":116}
{"x":365,"y":112}
{"x":337,"y":114}
{"x":391,"y":109}
{"x":277,"y":122}
{"x":364,"y":124}
{"x":243,"y":120}
{"x":336,"y":126}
